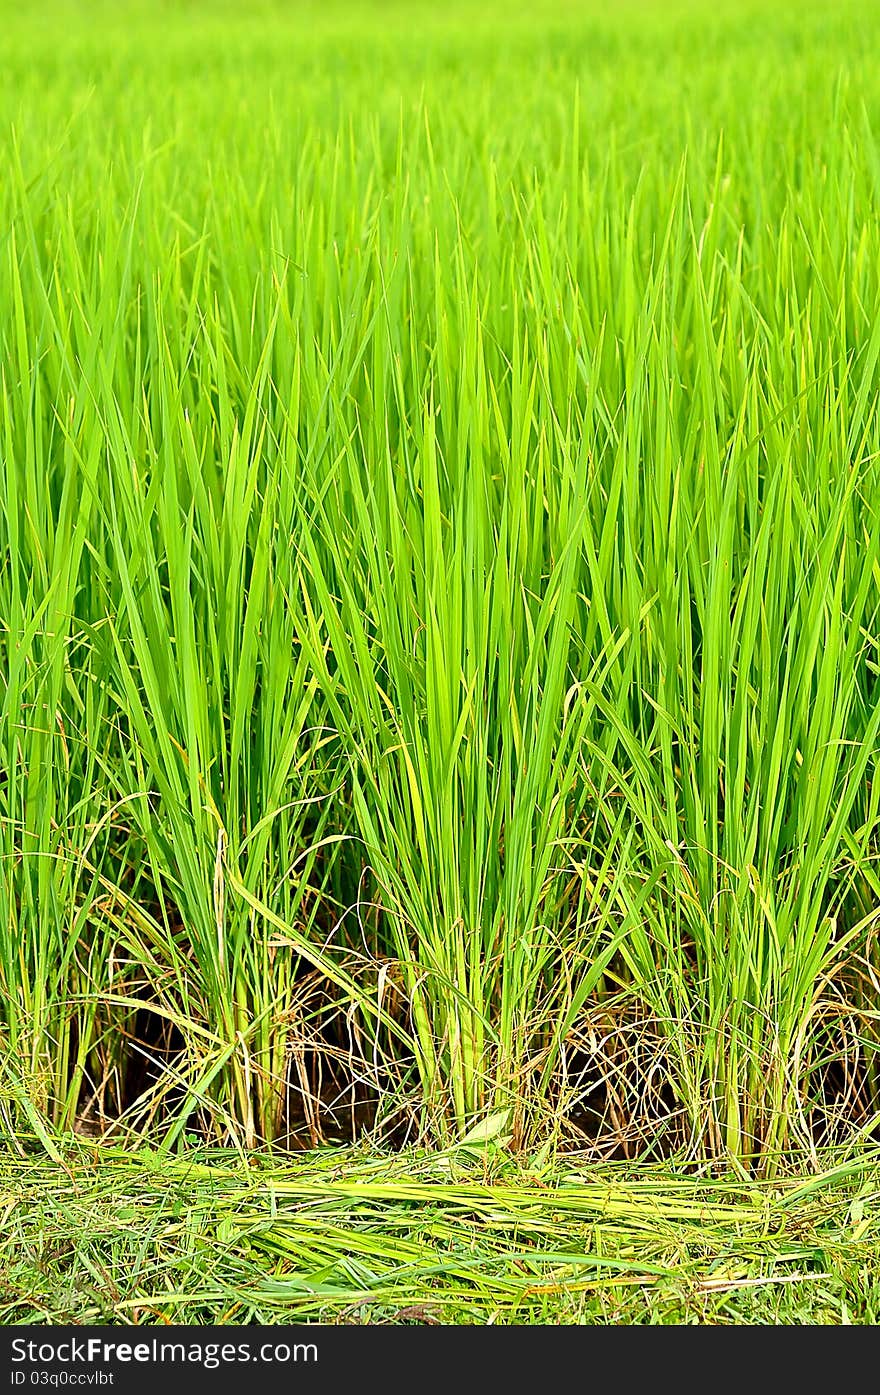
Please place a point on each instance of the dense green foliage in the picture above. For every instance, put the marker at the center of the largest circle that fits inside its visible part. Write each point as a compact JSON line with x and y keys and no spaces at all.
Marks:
{"x":439,"y":573}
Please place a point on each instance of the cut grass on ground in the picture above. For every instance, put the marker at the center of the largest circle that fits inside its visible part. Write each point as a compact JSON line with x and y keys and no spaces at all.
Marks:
{"x":107,"y":1236}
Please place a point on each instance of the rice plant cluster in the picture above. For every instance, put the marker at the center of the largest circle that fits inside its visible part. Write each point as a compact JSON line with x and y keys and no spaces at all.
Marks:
{"x":440,"y":574}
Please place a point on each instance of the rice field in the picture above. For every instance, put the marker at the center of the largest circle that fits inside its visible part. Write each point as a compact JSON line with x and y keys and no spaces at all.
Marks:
{"x":440,"y":581}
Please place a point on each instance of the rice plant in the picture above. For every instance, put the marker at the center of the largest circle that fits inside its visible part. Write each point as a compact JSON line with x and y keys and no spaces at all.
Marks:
{"x":439,"y":575}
